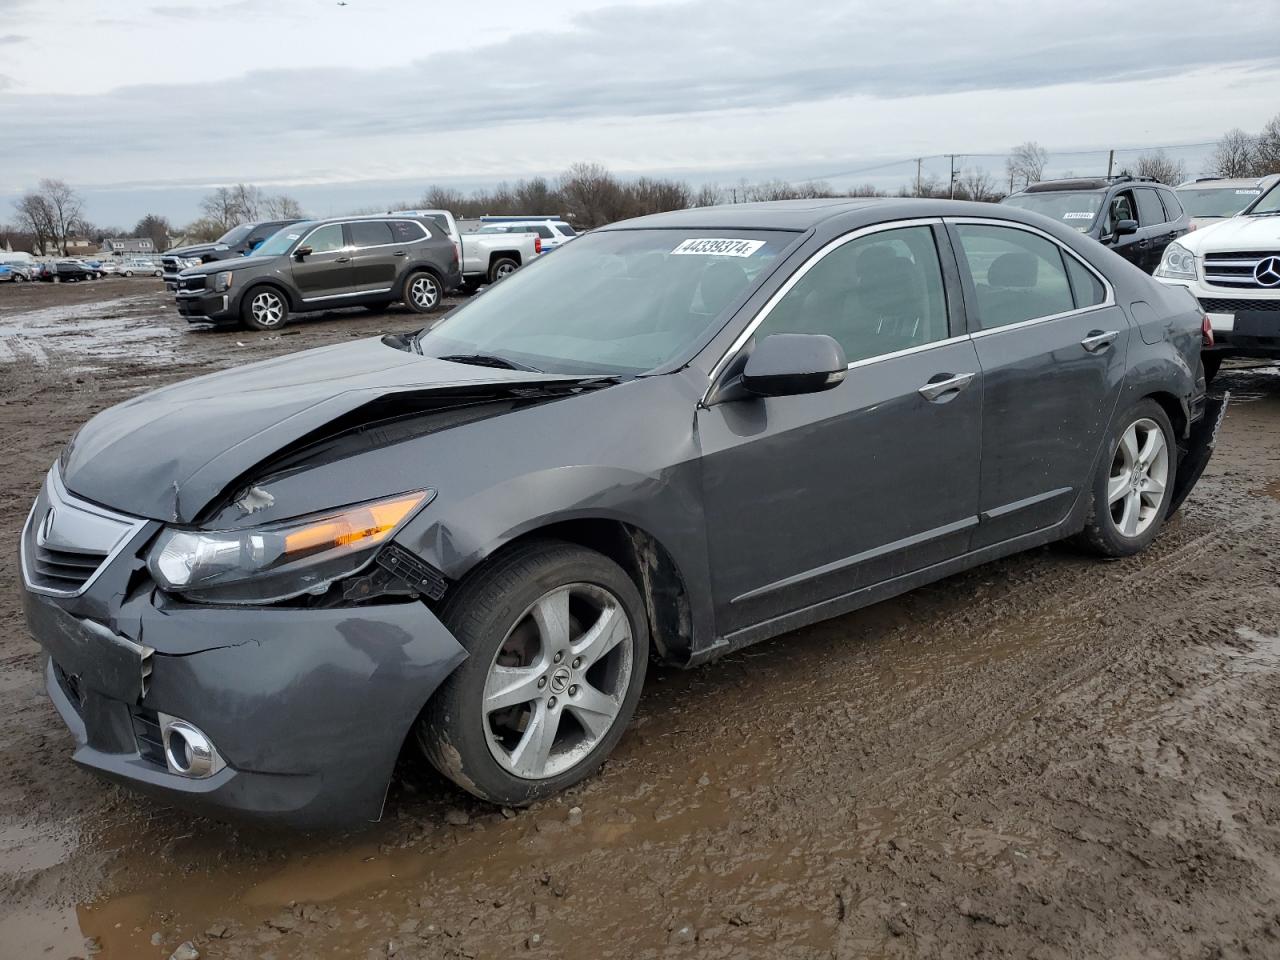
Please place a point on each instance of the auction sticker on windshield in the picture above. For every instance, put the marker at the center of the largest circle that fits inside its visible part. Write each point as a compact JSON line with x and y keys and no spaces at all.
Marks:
{"x":1078,"y":215}
{"x":718,"y":247}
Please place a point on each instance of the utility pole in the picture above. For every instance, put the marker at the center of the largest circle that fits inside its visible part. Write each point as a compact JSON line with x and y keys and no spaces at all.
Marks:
{"x":1111,"y":162}
{"x":919,"y":163}
{"x":953,"y":176}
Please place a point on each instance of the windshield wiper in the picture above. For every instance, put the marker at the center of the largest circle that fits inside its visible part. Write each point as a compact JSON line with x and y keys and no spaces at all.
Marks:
{"x":489,"y":360}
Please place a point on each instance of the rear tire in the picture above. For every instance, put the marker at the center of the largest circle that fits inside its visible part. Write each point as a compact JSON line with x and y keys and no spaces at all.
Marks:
{"x":558,"y":643}
{"x":422,"y":292}
{"x":264,"y":308}
{"x":1133,"y":485}
{"x":502,"y":268}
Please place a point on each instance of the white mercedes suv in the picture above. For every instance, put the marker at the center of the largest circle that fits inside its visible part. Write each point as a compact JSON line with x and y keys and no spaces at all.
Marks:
{"x":1233,"y":269}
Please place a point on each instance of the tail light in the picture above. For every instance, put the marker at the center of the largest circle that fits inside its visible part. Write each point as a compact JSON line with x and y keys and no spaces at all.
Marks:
{"x":1206,"y":332}
{"x":456,"y":256}
{"x":537,"y":244}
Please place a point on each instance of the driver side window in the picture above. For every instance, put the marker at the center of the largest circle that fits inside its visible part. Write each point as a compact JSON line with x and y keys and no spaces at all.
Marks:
{"x":878,"y":294}
{"x":1122,"y":208}
{"x":326,"y":239}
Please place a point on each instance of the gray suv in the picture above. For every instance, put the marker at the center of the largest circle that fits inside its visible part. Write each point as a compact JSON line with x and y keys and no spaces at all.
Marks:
{"x":321,"y":264}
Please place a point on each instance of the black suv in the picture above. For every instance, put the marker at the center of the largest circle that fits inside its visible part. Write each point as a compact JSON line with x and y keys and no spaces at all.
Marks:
{"x":1137,"y":217}
{"x":322,"y":264}
{"x":237,"y":242}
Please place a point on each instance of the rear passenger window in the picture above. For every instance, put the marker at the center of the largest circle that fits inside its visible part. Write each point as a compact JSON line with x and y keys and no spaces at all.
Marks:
{"x":1017,"y":275}
{"x":567,"y":230}
{"x":1088,"y":289}
{"x":544,"y":232}
{"x":1172,"y":208}
{"x":406,"y":231}
{"x":370,"y":233}
{"x":1149,"y":210}
{"x":878,"y":294}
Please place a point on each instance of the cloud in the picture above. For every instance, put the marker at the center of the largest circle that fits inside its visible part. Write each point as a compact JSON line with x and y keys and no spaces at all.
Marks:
{"x":623,"y":62}
{"x":10,"y":38}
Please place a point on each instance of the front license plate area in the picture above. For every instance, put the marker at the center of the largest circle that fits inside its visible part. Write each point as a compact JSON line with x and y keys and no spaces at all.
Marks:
{"x":1257,"y":323}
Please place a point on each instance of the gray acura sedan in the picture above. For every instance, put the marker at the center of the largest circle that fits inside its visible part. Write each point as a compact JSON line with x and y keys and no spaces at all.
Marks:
{"x":678,"y":436}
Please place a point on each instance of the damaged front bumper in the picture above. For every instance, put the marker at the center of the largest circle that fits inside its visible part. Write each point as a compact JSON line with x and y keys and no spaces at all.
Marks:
{"x":307,"y":709}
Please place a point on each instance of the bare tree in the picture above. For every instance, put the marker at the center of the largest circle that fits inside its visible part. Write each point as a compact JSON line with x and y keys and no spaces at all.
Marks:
{"x":707,"y":195}
{"x":220,"y":208}
{"x":442,"y":198}
{"x":1026,"y":163}
{"x":281,"y":206}
{"x":976,"y":184}
{"x":1235,"y":156}
{"x":592,"y":195}
{"x":63,"y":207}
{"x":35,"y":217}
{"x":1160,"y":166}
{"x":1267,"y":149}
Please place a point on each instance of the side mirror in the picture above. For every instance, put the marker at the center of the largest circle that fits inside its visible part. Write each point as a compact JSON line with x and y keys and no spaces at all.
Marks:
{"x":786,"y":364}
{"x":302,"y":252}
{"x":1124,"y":228}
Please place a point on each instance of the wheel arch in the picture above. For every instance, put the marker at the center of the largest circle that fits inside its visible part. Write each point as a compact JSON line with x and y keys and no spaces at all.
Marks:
{"x":495,"y":255}
{"x":1174,"y":409}
{"x":650,"y":565}
{"x":294,"y":303}
{"x":410,"y":270}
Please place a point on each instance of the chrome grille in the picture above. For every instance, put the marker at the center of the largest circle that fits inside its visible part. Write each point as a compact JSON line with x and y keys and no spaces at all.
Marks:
{"x":1236,"y":269}
{"x":67,"y":541}
{"x":188,"y":284}
{"x":1223,"y":305}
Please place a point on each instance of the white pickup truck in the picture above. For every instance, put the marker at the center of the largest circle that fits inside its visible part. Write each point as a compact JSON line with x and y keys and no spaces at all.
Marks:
{"x":485,"y":257}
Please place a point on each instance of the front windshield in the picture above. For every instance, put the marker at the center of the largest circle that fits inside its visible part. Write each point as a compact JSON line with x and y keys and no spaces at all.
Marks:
{"x":1075,"y":208}
{"x":1217,"y":201}
{"x":235,"y":234}
{"x":611,"y":303}
{"x":1269,"y":203}
{"x":280,"y":241}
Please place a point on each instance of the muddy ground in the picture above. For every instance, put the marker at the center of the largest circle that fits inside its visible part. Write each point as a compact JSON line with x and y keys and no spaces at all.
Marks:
{"x":1047,"y":757}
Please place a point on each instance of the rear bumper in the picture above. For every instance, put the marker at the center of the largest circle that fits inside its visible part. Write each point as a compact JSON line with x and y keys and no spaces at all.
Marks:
{"x":1245,"y":322}
{"x":1202,"y":437}
{"x":308,"y":708}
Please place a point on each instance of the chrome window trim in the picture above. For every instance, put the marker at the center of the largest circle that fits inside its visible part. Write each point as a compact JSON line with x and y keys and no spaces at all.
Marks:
{"x":1108,"y":301}
{"x":60,"y":496}
{"x":741,"y":340}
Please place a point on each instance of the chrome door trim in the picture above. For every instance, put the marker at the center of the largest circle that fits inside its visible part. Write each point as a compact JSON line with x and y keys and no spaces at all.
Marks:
{"x":741,"y":340}
{"x":339,"y":296}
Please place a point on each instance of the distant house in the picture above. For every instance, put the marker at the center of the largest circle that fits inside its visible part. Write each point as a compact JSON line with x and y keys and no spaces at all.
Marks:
{"x":79,"y":246}
{"x":119,"y":246}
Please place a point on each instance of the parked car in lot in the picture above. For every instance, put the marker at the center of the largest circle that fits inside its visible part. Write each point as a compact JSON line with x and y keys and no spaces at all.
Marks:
{"x":69,"y":271}
{"x":553,"y":231}
{"x":1135,"y":216}
{"x":1233,"y":269}
{"x":21,"y":267}
{"x":484,"y":258}
{"x":1210,"y":199}
{"x":239,"y":241}
{"x":322,"y":264}
{"x":139,"y":267}
{"x":680,"y":435}
{"x":15,"y":272}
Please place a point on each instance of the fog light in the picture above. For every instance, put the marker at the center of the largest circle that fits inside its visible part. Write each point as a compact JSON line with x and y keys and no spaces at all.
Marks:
{"x":187,"y":751}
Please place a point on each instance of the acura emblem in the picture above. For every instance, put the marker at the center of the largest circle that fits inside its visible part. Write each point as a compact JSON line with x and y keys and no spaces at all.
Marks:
{"x":47,"y":527}
{"x":1267,"y":272}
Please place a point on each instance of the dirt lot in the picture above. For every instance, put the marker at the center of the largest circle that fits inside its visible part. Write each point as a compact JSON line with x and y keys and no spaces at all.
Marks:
{"x":1047,"y":757}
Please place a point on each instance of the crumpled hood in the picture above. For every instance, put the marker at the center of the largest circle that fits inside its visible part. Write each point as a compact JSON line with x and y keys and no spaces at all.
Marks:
{"x":1235,"y":233}
{"x":167,"y":454}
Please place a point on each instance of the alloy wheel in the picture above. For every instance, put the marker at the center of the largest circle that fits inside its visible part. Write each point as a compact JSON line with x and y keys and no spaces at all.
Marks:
{"x":503,"y":270}
{"x":1138,"y":477}
{"x":558,"y":680}
{"x":425,"y":292}
{"x":267,"y":309}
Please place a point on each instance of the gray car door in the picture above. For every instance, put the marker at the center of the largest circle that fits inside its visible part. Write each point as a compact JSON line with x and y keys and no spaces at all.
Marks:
{"x":1051,"y":343}
{"x":812,"y":497}
{"x":324,"y":273}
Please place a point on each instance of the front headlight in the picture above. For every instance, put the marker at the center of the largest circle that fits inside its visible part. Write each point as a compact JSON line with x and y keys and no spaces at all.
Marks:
{"x":191,"y":262}
{"x":222,"y":281}
{"x":1178,"y":263}
{"x":279,"y":560}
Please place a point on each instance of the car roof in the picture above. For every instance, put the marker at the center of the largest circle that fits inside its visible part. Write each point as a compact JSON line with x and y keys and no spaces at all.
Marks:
{"x":1210,"y":183}
{"x":801,"y":215}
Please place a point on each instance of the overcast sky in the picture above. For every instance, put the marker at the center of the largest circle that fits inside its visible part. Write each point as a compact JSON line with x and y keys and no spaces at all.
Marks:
{"x":146,"y":107}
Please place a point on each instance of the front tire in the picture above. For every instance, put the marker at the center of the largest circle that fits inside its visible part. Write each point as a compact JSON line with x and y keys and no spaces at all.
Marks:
{"x":558,"y":643}
{"x":1134,"y":483}
{"x":422,"y":292}
{"x":264,"y":309}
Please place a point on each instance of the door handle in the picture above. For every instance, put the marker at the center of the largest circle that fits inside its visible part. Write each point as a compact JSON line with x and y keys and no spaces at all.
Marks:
{"x":343,"y":260}
{"x":399,"y":253}
{"x":1099,"y":340}
{"x":942,"y":390}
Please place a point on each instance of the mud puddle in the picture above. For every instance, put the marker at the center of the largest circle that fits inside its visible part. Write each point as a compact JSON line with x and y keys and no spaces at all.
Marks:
{"x":88,"y":336}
